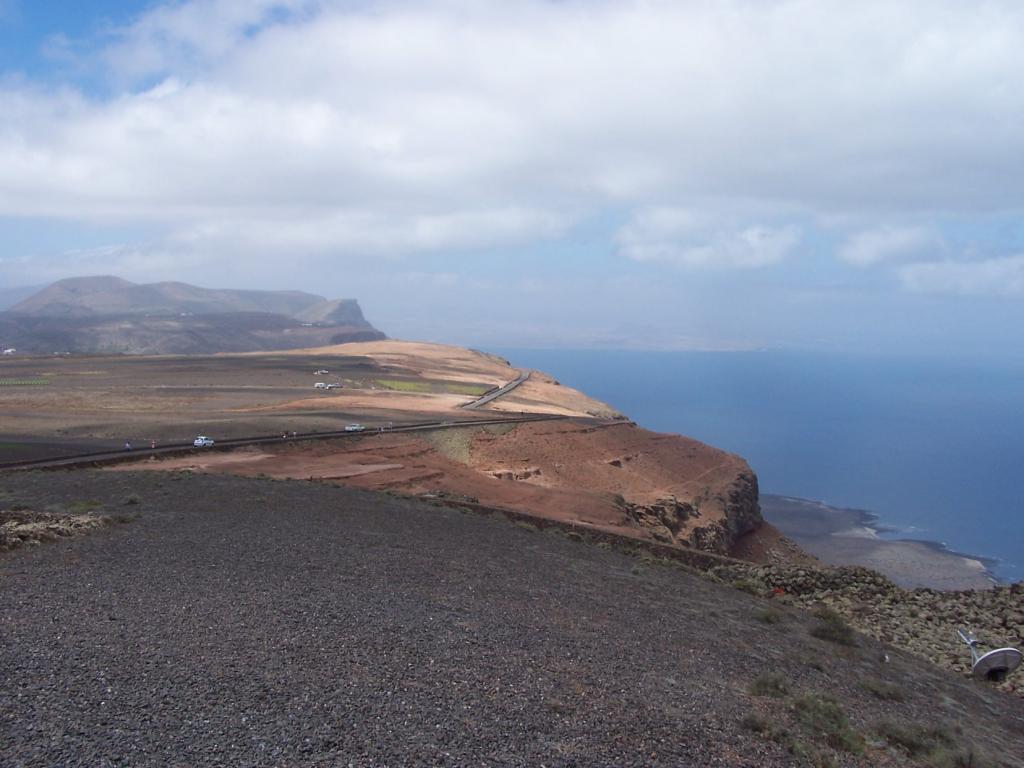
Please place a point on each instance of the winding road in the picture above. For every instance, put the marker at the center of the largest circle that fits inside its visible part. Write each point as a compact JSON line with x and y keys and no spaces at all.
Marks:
{"x":494,"y":394}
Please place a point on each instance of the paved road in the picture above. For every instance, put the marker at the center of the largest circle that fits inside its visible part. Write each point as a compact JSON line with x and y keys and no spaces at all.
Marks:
{"x":496,"y":393}
{"x":111,"y":457}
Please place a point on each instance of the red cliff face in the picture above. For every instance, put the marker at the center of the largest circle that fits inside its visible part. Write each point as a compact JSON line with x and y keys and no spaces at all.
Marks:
{"x":673,"y":521}
{"x":664,"y":487}
{"x":741,"y":514}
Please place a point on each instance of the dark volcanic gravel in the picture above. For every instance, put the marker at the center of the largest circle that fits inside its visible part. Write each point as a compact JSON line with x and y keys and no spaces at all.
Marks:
{"x":255,"y":623}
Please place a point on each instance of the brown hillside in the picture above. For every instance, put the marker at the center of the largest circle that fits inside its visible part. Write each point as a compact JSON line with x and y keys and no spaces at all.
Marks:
{"x":615,"y":477}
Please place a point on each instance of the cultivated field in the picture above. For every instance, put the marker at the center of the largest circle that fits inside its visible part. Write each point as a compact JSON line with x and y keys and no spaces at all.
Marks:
{"x":52,"y":405}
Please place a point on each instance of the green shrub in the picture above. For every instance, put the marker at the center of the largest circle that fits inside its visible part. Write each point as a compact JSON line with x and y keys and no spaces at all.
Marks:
{"x":785,"y":738}
{"x":832,"y":627}
{"x":883,"y":690}
{"x":824,"y":718}
{"x":769,"y":616}
{"x":748,"y":585}
{"x":915,"y":740}
{"x":771,"y":684}
{"x":938,"y":746}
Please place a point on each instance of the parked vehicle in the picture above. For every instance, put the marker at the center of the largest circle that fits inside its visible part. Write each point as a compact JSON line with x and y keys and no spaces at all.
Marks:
{"x":327,"y":385}
{"x":321,"y":372}
{"x":355,"y":428}
{"x":203,"y":442}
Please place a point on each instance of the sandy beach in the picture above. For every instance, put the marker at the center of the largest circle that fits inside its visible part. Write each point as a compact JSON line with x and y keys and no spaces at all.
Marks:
{"x":839,"y":536}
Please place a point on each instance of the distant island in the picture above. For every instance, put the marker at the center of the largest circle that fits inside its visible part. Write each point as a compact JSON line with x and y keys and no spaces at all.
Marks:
{"x":103,"y":315}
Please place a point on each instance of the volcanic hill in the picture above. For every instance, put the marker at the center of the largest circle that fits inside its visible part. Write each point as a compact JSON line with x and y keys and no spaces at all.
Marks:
{"x":96,"y":315}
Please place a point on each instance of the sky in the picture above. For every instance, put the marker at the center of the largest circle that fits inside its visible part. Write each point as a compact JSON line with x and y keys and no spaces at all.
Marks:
{"x":694,"y":174}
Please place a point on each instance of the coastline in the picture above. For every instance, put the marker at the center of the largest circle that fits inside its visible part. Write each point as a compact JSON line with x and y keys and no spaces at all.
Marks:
{"x":842,"y":536}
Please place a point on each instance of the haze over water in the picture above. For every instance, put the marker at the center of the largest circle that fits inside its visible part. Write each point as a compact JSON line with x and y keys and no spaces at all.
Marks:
{"x":934,"y":448}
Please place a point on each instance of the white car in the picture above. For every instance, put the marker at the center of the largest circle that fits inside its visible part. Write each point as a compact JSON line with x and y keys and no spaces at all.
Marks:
{"x":355,"y":428}
{"x":321,"y":372}
{"x":203,"y":442}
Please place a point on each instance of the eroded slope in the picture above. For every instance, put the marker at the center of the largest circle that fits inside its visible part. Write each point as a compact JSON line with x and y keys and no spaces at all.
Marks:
{"x":612,"y":476}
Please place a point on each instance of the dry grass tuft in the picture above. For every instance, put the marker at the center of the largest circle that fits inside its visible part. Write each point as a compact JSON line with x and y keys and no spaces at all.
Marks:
{"x":832,"y":627}
{"x":771,"y":684}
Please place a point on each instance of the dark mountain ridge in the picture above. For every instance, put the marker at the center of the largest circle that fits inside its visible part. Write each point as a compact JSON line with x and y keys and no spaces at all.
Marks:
{"x":108,"y":314}
{"x":107,"y":295}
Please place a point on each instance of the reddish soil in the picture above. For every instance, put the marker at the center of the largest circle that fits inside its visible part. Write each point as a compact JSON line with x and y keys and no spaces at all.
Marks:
{"x":600,"y":475}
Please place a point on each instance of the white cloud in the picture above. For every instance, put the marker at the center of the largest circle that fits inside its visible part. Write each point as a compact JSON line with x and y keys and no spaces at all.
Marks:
{"x":681,"y":237}
{"x":192,"y":35}
{"x":399,"y":126}
{"x":890,"y":244}
{"x":987,"y":277}
{"x":366,"y":231}
{"x":132,"y":261}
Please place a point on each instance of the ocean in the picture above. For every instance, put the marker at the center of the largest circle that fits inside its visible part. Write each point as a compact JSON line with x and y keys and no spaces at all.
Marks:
{"x":935,"y":448}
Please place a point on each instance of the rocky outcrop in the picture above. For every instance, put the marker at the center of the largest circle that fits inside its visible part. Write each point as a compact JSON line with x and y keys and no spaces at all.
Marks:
{"x":922,"y":621}
{"x":664,"y":519}
{"x":513,"y":474}
{"x":742,"y":514}
{"x":675,"y":521}
{"x":22,"y":527}
{"x":335,"y":312}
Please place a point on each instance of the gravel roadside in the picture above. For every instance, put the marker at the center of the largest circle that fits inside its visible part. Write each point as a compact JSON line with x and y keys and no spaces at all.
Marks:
{"x":251,"y":622}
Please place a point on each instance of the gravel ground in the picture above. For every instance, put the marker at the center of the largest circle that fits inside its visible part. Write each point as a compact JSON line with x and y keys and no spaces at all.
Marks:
{"x":258,"y":623}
